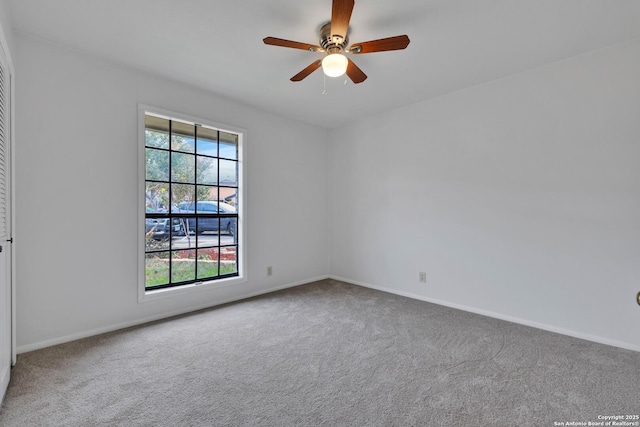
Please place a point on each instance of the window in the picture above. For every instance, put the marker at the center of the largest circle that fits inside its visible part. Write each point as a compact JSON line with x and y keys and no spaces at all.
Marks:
{"x":192,"y":189}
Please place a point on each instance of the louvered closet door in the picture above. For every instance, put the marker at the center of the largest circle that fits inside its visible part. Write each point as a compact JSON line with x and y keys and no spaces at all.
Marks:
{"x":4,"y":151}
{"x":5,"y":253}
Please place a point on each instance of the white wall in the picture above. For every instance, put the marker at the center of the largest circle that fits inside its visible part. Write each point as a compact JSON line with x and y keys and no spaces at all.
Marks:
{"x":5,"y":24}
{"x":519,"y":198}
{"x":76,"y":198}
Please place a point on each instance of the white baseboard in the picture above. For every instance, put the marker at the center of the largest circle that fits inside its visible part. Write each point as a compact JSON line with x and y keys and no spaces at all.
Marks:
{"x":114,"y":327}
{"x":495,"y":315}
{"x":117,"y":326}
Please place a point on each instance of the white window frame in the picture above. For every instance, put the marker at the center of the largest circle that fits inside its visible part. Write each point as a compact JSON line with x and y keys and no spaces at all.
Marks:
{"x":145,"y":295}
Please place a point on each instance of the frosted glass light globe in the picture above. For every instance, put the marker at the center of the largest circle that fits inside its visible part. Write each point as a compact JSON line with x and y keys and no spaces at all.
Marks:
{"x":334,"y":65}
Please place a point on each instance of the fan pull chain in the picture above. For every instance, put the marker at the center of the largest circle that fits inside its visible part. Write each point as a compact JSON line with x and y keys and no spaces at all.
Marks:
{"x":324,"y":83}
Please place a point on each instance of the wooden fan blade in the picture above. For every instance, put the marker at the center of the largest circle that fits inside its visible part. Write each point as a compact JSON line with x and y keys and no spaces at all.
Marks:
{"x":355,"y":74}
{"x":274,"y":41}
{"x":304,"y":73}
{"x":381,"y":45}
{"x":340,"y":17}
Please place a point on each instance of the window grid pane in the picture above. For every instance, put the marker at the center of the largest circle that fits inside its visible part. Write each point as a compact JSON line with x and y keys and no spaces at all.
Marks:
{"x":191,"y":203}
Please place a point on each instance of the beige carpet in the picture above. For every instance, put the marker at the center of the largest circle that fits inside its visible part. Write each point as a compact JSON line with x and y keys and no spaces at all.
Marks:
{"x":324,"y":354}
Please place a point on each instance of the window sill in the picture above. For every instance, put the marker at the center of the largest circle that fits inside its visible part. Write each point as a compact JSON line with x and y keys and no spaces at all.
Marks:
{"x":154,"y":295}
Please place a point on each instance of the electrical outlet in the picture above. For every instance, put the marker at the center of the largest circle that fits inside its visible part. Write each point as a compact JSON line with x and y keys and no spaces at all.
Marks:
{"x":270,"y":271}
{"x":422,"y":277}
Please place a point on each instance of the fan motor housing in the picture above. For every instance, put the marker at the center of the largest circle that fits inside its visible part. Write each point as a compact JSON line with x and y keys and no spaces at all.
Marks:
{"x":330,"y":43}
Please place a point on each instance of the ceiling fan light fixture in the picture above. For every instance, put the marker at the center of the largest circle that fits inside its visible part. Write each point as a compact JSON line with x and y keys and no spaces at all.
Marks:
{"x":335,"y":65}
{"x":334,"y":41}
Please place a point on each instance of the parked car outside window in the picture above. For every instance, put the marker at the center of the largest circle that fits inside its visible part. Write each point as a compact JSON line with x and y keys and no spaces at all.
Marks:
{"x":209,"y":223}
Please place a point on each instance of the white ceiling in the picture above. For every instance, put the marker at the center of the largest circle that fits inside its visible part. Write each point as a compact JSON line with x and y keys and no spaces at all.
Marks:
{"x":217,"y":45}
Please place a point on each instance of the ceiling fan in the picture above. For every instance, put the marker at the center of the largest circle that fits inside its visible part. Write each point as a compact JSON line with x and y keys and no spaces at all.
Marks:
{"x":334,"y":39}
